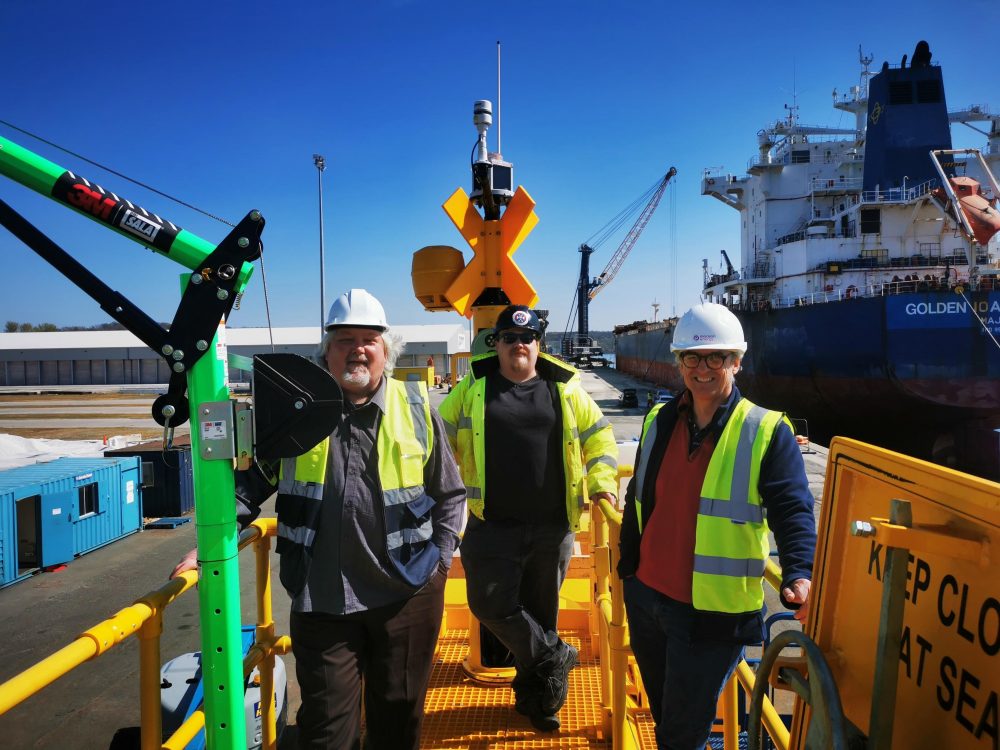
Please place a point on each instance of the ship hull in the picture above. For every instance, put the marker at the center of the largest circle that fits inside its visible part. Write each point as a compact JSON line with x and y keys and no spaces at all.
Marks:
{"x":917,"y":373}
{"x":645,"y":354}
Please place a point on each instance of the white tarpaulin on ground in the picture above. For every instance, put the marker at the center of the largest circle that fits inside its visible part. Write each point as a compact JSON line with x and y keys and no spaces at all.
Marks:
{"x":20,"y":451}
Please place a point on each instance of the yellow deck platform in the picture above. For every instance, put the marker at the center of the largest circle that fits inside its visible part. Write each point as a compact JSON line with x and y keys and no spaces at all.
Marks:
{"x":463,"y":714}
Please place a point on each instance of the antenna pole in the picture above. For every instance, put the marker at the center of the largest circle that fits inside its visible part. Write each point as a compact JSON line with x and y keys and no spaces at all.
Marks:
{"x":499,"y":149}
{"x":320,"y":164}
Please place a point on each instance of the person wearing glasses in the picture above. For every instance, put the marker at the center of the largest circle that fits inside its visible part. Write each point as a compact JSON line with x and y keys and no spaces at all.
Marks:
{"x":531,"y":445}
{"x":714,"y":474}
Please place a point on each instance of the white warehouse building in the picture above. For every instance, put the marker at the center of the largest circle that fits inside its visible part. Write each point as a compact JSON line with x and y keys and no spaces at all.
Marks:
{"x":119,"y":358}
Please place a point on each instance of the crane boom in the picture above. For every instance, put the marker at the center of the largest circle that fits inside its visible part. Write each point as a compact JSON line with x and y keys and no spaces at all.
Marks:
{"x":611,"y":270}
{"x":580,"y":348}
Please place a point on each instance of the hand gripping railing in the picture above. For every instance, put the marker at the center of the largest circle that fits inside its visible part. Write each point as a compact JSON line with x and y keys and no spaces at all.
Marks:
{"x":145,"y":618}
{"x":618,"y":708}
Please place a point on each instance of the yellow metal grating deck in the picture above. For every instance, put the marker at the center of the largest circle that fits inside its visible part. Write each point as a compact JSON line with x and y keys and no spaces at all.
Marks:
{"x":462,"y":714}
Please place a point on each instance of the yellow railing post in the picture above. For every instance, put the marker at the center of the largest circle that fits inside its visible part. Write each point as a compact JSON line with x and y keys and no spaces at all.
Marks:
{"x":615,"y":649}
{"x":150,"y":713}
{"x":265,"y":634}
{"x":620,"y":649}
{"x":602,"y":607}
{"x":730,"y":710}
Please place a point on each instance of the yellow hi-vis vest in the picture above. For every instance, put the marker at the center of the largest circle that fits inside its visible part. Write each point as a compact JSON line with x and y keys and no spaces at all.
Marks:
{"x":586,"y":436}
{"x":404,"y":442}
{"x":731,"y":542}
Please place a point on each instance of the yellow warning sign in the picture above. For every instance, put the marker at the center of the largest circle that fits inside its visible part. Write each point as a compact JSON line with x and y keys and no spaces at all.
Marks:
{"x":948,"y":658}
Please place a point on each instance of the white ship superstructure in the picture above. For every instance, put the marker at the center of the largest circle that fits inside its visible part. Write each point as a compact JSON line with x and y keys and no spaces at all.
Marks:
{"x":812,"y":232}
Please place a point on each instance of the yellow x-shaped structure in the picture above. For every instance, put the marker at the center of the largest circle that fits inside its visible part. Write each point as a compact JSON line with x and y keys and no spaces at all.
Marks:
{"x":493,"y":244}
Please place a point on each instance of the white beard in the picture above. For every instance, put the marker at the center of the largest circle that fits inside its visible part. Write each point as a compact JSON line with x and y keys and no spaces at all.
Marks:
{"x":359,"y":376}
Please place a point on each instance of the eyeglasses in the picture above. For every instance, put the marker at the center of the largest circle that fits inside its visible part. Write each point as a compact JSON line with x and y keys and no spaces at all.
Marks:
{"x":525,"y":338}
{"x":714,"y":360}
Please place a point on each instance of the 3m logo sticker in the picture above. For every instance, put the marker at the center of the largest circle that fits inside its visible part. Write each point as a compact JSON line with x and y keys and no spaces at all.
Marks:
{"x":89,"y":200}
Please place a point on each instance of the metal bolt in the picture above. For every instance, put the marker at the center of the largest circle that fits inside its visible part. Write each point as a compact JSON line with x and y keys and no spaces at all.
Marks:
{"x":208,"y":449}
{"x":300,"y":404}
{"x":178,"y":354}
{"x":255,"y":215}
{"x":862,"y":528}
{"x":168,"y":411}
{"x":167,"y":349}
{"x":179,"y":367}
{"x":226,"y":272}
{"x":201,"y":345}
{"x":196,"y":278}
{"x":222,"y":294}
{"x":243,"y":242}
{"x":206,"y":412}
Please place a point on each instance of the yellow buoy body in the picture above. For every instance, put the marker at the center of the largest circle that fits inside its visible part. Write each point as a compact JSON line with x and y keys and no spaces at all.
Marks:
{"x":434,"y":269}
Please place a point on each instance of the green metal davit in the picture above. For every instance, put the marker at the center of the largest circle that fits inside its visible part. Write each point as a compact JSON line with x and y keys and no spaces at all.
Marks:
{"x":198,"y":390}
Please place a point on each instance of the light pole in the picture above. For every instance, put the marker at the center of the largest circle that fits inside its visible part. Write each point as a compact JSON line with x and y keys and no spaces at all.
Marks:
{"x":320,"y":163}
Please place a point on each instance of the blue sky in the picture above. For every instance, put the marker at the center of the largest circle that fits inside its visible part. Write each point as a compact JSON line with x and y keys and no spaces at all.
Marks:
{"x":223,"y":104}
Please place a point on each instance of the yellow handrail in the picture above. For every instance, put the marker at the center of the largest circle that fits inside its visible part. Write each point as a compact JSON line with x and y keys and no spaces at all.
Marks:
{"x":615,"y":649}
{"x":145,"y":618}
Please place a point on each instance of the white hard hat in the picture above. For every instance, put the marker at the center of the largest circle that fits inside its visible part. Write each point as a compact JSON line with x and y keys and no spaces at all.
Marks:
{"x":709,"y":326}
{"x":356,"y":307}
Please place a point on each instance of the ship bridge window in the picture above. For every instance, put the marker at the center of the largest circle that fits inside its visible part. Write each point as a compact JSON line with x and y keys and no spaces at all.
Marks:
{"x":900,"y":92}
{"x":800,"y":156}
{"x":929,"y":92}
{"x":871,"y":221}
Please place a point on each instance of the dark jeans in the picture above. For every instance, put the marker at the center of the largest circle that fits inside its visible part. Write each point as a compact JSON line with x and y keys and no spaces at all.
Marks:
{"x":513,"y":573}
{"x":683,"y":675}
{"x":389,"y":650}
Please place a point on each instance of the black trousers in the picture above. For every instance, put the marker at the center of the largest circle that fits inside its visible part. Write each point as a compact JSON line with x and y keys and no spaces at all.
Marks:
{"x":513,"y":573}
{"x":388,"y":652}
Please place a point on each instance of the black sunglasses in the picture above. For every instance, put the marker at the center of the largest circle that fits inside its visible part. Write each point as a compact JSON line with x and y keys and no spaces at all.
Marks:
{"x":524,"y":338}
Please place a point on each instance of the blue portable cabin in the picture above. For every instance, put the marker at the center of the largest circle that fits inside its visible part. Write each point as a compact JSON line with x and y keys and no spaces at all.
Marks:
{"x":167,"y":476}
{"x":55,"y":511}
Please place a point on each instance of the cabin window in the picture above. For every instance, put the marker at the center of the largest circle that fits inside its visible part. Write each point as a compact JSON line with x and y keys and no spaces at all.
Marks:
{"x":900,"y":92}
{"x":930,"y":249}
{"x":876,"y":256}
{"x":928,"y":92}
{"x":871,"y":221}
{"x":800,"y":156}
{"x":88,"y":499}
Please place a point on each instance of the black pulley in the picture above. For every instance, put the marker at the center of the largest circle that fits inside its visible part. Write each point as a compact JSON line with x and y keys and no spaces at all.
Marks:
{"x":171,"y":409}
{"x":296,"y":404}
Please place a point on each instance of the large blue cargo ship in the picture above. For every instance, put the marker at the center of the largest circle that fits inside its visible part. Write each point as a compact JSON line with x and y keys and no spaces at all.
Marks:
{"x":868,"y":277}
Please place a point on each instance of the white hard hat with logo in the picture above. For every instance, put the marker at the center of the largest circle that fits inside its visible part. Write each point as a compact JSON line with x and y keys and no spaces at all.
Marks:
{"x":357,"y":308}
{"x":709,"y":326}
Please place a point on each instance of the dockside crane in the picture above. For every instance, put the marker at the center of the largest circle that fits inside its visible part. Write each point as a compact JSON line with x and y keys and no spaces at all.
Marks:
{"x":580,"y":349}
